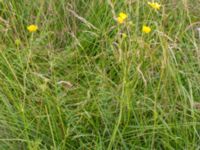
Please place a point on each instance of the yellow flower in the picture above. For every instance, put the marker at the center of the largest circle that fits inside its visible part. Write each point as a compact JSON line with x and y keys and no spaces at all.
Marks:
{"x":146,"y":29}
{"x":121,"y":18}
{"x":32,"y":28}
{"x":154,"y":5}
{"x":123,"y":15}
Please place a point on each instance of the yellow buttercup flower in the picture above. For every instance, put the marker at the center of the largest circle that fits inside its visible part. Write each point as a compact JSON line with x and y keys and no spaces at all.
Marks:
{"x":121,"y":18}
{"x":154,"y":5}
{"x":146,"y":29}
{"x":32,"y":28}
{"x":123,"y":15}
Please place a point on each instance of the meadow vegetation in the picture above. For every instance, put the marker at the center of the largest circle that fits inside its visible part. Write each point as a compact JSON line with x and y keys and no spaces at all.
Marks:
{"x":99,"y":74}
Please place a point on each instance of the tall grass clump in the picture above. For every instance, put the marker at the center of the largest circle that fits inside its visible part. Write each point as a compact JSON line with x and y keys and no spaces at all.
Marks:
{"x":99,"y":74}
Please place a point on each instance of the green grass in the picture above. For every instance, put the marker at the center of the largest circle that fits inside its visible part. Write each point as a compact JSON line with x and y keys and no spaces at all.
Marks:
{"x":77,"y":83}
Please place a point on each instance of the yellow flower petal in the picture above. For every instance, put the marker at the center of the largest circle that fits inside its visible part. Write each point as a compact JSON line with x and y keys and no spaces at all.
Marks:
{"x":123,"y":15}
{"x":32,"y":28}
{"x":120,"y":20}
{"x":154,"y":5}
{"x":146,"y":29}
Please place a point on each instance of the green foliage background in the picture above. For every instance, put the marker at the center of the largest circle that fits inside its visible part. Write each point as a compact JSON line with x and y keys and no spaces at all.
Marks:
{"x":76,"y":83}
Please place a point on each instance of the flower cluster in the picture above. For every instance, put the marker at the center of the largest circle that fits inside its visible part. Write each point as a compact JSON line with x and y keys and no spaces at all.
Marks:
{"x":156,"y":6}
{"x":122,"y":17}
